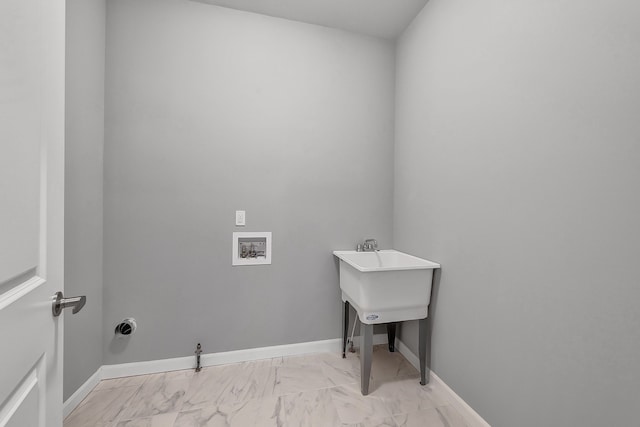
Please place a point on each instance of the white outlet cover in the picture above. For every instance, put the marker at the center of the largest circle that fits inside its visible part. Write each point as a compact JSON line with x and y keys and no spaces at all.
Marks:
{"x":240,"y":218}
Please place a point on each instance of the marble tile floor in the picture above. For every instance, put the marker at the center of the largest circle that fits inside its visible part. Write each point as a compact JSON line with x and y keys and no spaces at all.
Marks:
{"x":314,"y":390}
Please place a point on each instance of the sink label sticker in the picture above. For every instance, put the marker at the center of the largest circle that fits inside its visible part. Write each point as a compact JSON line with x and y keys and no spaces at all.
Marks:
{"x":372,"y":317}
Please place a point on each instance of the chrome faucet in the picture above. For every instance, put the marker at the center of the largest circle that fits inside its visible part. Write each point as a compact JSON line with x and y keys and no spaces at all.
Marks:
{"x":369,"y":245}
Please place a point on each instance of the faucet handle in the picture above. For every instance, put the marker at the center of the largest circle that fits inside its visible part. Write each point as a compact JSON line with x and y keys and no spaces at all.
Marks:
{"x":370,"y":245}
{"x":373,"y":242}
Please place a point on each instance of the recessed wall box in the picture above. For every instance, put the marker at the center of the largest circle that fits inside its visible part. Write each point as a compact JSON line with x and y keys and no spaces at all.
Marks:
{"x":251,"y":248}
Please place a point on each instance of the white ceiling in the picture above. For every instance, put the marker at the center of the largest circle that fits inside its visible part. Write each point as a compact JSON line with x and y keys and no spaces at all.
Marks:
{"x":379,"y":18}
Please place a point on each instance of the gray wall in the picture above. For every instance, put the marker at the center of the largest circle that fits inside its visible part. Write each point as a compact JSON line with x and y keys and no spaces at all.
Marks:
{"x":210,"y":110}
{"x":83,"y":188}
{"x":517,"y":167}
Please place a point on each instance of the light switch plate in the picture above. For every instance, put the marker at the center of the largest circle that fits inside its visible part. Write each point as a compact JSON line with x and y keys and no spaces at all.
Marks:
{"x":240,"y":218}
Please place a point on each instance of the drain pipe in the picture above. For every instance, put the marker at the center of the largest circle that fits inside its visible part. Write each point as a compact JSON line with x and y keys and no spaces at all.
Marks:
{"x":353,"y":331}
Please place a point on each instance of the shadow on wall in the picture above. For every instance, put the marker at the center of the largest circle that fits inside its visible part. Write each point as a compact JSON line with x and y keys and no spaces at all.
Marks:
{"x":118,"y":345}
{"x":121,"y":336}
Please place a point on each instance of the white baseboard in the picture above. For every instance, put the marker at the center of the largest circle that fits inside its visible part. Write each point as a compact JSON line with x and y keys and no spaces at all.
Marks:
{"x":222,"y":358}
{"x":78,"y":396}
{"x":471,"y":416}
{"x":213,"y":359}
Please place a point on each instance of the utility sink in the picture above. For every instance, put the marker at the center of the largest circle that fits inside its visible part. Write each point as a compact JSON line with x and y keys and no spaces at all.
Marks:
{"x":387,"y":285}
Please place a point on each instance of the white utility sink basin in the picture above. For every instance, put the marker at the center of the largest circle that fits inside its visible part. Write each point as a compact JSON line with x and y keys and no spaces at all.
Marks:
{"x":387,"y":285}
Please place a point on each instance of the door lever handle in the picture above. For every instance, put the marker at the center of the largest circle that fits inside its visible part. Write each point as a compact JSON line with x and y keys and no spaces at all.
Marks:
{"x":60,"y":303}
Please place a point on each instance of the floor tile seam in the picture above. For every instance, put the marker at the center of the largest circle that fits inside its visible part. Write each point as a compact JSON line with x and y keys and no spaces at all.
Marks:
{"x":330,"y":368}
{"x":117,"y":386}
{"x":434,"y":408}
{"x":123,"y":419}
{"x":384,"y":404}
{"x":428,"y":397}
{"x":432,"y":394}
{"x":390,"y":417}
{"x":379,"y":382}
{"x":167,"y":382}
{"x":86,"y":398}
{"x":228,"y":381}
{"x":133,"y":396}
{"x":195,"y":407}
{"x":267,"y":393}
{"x":91,"y":394}
{"x":309,"y":390}
{"x":395,"y":419}
{"x":192,"y":384}
{"x":278,"y":395}
{"x":128,"y":404}
{"x":389,"y":378}
{"x":344,"y":384}
{"x":202,"y":407}
{"x":185,"y":379}
{"x":123,"y":408}
{"x":145,"y":377}
{"x":217,"y":404}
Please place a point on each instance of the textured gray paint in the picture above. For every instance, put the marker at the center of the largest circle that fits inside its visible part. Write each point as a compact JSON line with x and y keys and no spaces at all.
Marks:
{"x":517,"y":167}
{"x":83,"y":188}
{"x":210,"y":110}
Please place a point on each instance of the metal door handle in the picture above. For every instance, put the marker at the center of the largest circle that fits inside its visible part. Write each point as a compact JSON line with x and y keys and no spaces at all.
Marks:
{"x":60,"y":303}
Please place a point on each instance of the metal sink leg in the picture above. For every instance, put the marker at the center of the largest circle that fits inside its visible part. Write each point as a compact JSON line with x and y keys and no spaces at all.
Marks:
{"x":345,"y":329}
{"x":366,"y":354}
{"x":422,"y":344}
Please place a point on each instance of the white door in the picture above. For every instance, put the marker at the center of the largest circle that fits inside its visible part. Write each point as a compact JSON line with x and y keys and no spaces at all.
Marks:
{"x":31,"y":210}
